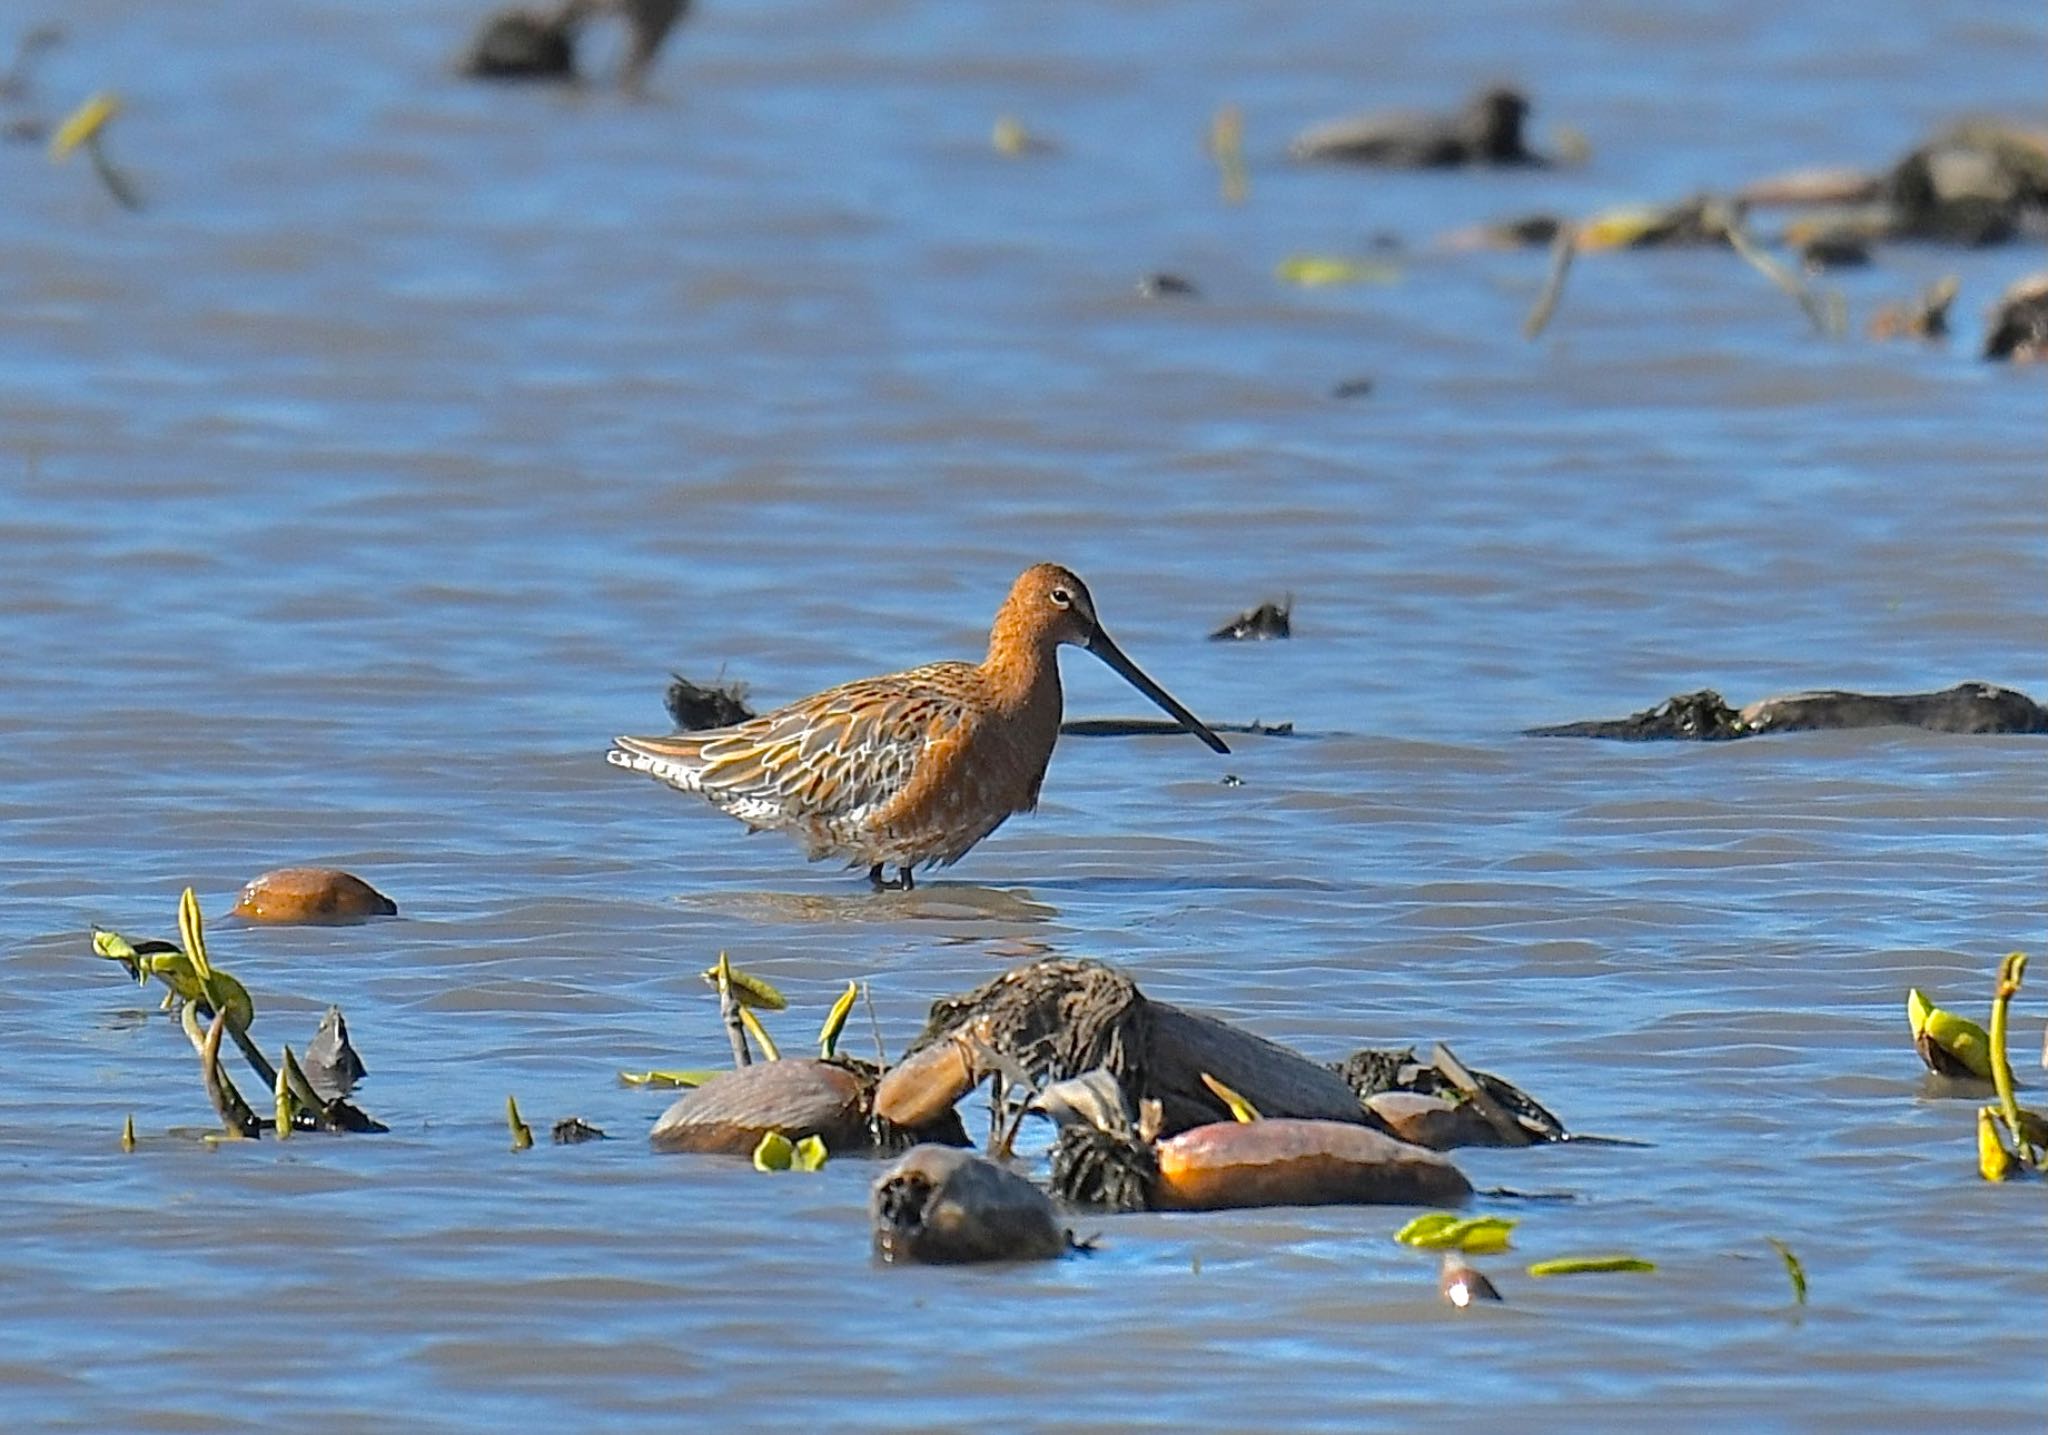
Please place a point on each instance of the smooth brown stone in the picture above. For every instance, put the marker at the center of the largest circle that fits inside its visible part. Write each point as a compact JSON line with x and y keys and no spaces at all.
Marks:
{"x":731,"y":1112}
{"x":312,"y":895}
{"x":1300,"y":1163}
{"x":947,"y":1206}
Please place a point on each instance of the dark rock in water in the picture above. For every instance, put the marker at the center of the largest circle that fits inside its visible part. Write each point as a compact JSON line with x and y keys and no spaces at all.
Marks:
{"x":1970,"y":708}
{"x":1701,"y":715}
{"x":1268,"y":620}
{"x":1834,"y":248}
{"x":1487,"y":131}
{"x":696,"y":709}
{"x":330,"y":1062}
{"x":1965,"y":708}
{"x":947,"y":1206}
{"x":1976,"y":183}
{"x":524,"y":45}
{"x":574,"y":1130}
{"x":2018,"y":326}
{"x":541,"y":44}
{"x":1166,"y":286}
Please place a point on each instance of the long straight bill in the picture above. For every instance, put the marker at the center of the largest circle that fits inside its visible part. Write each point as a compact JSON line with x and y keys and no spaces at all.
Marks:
{"x":1110,"y":653}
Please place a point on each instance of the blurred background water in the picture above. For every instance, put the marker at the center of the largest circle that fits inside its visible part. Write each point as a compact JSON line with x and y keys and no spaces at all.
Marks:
{"x":356,"y":491}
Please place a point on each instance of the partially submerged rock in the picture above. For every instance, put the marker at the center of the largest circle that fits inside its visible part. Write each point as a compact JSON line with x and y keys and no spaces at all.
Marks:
{"x":1055,"y":1019}
{"x":1979,"y":182}
{"x":1227,"y":1165}
{"x":331,"y":1063}
{"x":946,"y":1206}
{"x":1968,"y":708}
{"x":1268,"y":620}
{"x":832,"y":1100}
{"x":2017,"y":328}
{"x":312,"y":896}
{"x":523,"y":44}
{"x":697,"y":709}
{"x":1487,"y":131}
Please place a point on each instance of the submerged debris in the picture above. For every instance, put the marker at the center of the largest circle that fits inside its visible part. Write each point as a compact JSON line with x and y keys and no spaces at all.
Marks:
{"x":946,"y":1206}
{"x":1487,"y":131}
{"x":574,"y":1131}
{"x":697,"y":709}
{"x":1969,"y":708}
{"x":331,"y":1063}
{"x":316,"y":896}
{"x":521,"y":44}
{"x":1268,"y":620}
{"x":1167,"y":286}
{"x":1925,"y":317}
{"x":2017,"y":327}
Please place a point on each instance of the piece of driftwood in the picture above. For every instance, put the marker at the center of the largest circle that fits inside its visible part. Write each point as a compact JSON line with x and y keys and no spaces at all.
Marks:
{"x":1968,"y":708}
{"x":946,"y":1206}
{"x":1059,"y":1018}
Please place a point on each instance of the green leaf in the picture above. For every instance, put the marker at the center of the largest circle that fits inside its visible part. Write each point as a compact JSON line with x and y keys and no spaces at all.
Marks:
{"x":1240,"y":1108}
{"x":1792,"y":1268}
{"x":835,"y":1020}
{"x":522,"y":1134}
{"x":1316,"y":271}
{"x":809,"y":1154}
{"x":759,"y":1032}
{"x":1442,"y":1231}
{"x":775,"y":1153}
{"x":748,"y":989}
{"x":1421,"y":1231}
{"x":667,"y":1078}
{"x":1958,"y":1044}
{"x":1590,"y":1265}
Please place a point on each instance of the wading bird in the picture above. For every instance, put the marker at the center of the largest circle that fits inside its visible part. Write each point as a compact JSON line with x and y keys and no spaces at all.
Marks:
{"x":909,"y":769}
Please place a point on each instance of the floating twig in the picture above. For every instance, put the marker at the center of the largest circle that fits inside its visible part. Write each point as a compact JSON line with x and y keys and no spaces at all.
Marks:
{"x":1825,"y":314}
{"x":1563,"y":248}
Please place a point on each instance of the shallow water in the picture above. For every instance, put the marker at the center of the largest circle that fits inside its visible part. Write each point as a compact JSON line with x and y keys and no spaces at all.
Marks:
{"x":357,"y":491}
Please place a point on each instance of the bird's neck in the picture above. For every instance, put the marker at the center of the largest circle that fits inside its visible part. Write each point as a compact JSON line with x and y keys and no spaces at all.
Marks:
{"x":1022,"y":672}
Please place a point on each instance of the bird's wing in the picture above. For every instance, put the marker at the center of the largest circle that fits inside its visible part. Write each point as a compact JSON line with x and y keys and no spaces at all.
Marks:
{"x":847,"y":749}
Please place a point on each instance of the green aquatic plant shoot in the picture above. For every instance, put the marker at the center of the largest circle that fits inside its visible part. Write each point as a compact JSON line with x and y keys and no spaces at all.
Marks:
{"x":1317,"y":271}
{"x":1994,"y":1162}
{"x":2011,"y":972}
{"x":759,"y":1033}
{"x":776,"y":1152}
{"x":1590,"y":1265}
{"x":748,"y":989}
{"x":667,"y":1078}
{"x":1793,"y":1269}
{"x":835,"y":1021}
{"x":522,"y":1134}
{"x":1240,"y":1109}
{"x":1447,"y":1231}
{"x":1950,"y":1045}
{"x":128,"y":1133}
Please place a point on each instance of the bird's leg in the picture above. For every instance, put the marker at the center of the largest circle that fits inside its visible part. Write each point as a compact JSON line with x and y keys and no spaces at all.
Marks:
{"x":875,"y":878}
{"x":904,"y":878}
{"x":904,"y":881}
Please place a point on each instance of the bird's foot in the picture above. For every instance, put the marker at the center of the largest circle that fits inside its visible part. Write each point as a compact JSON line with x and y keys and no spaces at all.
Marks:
{"x":904,"y":881}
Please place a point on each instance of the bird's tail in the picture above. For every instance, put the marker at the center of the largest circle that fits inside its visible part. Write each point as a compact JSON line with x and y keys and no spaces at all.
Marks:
{"x":677,"y":761}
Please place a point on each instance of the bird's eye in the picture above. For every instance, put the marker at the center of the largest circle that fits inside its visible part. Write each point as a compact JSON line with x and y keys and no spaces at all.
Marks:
{"x":1061,"y":598}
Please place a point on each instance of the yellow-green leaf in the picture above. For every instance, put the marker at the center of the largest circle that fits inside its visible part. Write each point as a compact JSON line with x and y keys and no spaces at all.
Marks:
{"x":1793,"y":1269}
{"x":1917,"y":1008}
{"x":1314,"y":271}
{"x":192,"y":932}
{"x":1443,"y":1231}
{"x":128,"y":1133}
{"x":1960,"y":1038}
{"x":666,"y":1078}
{"x":220,"y":990}
{"x":760,"y":1033}
{"x":522,"y":1134}
{"x":281,"y":1094}
{"x":1240,"y":1108}
{"x":835,"y":1020}
{"x":749,"y":989}
{"x":809,"y":1154}
{"x":1619,"y":228}
{"x":1590,"y":1265}
{"x":84,"y":123}
{"x":775,"y":1153}
{"x":1994,"y":1162}
{"x":113,"y":946}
